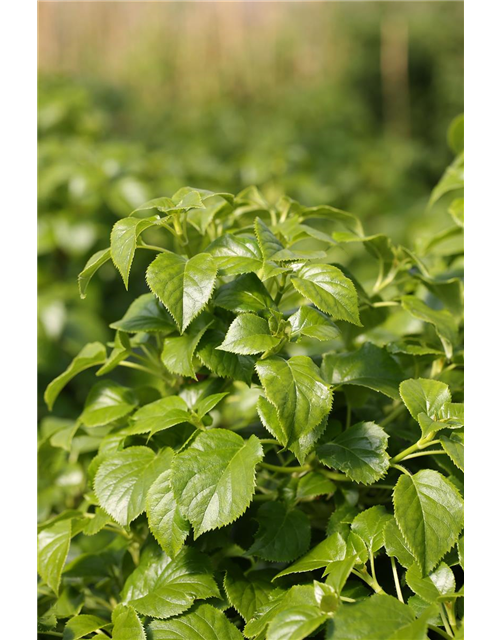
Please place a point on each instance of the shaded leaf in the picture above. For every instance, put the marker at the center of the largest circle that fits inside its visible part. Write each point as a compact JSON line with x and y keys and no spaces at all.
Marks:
{"x":284,"y":533}
{"x":370,"y":366}
{"x":375,"y":618}
{"x":443,"y":321}
{"x":223,"y":363}
{"x":359,"y":451}
{"x":247,"y":592}
{"x":320,"y":556}
{"x":145,"y":314}
{"x":244,"y":294}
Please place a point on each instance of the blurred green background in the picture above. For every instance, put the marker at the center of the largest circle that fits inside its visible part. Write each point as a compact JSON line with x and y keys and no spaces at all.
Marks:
{"x":342,"y":103}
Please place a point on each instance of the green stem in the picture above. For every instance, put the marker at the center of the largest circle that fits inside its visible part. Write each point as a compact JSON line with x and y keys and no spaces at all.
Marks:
{"x":423,"y":443}
{"x":400,"y":468}
{"x":139,"y":367}
{"x":392,"y":415}
{"x":396,"y":580}
{"x":277,"y":469}
{"x":371,"y":582}
{"x":152,"y":247}
{"x":445,"y":620}
{"x":424,"y":453}
{"x":450,"y":610}
{"x":340,"y":477}
{"x":440,"y":632}
{"x":269,"y":441}
{"x":348,"y":417}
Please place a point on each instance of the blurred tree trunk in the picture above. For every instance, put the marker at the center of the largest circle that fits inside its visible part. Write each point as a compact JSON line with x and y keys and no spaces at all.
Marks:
{"x":394,"y":73}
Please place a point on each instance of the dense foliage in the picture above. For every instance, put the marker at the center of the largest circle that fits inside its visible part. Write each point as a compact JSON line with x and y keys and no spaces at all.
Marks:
{"x":287,"y":461}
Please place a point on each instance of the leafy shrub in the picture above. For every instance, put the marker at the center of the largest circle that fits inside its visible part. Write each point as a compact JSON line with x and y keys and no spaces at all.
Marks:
{"x":287,"y":459}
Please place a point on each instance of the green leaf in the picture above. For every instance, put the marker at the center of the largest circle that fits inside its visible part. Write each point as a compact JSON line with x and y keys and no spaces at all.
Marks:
{"x":82,"y":625}
{"x":452,"y":180}
{"x":455,"y":134}
{"x":313,"y":324}
{"x":106,"y":402}
{"x":454,"y":447}
{"x":338,"y":572}
{"x":320,"y":556}
{"x":214,"y":479}
{"x":121,"y":350}
{"x":456,"y":211}
{"x":124,"y":478}
{"x":162,"y":587}
{"x":268,"y":242}
{"x":244,"y":294}
{"x":300,"y":396}
{"x":249,"y":334}
{"x":416,"y":630}
{"x":90,"y":356}
{"x":145,"y":314}
{"x":395,"y":544}
{"x":203,"y":623}
{"x":443,"y":321}
{"x":314,"y":484}
{"x":440,"y":582}
{"x":375,"y":618}
{"x":205,"y":405}
{"x":127,"y":625}
{"x":296,"y":623}
{"x":124,"y":237}
{"x":178,"y":352}
{"x":247,"y":592}
{"x":235,"y":255}
{"x":53,"y":547}
{"x":184,"y":286}
{"x":359,"y":451}
{"x":284,"y":533}
{"x":369,"y":526}
{"x":425,"y":396}
{"x":165,"y":520}
{"x":348,"y":220}
{"x":328,"y":288}
{"x":94,"y":263}
{"x":301,"y":447}
{"x":461,"y":550}
{"x":97,"y":523}
{"x":429,"y":512}
{"x":369,"y":366}
{"x":222,"y":363}
{"x":299,"y":595}
{"x":161,"y":414}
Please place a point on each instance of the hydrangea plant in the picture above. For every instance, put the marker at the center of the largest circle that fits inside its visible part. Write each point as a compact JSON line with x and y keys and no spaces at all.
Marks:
{"x":285,"y":458}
